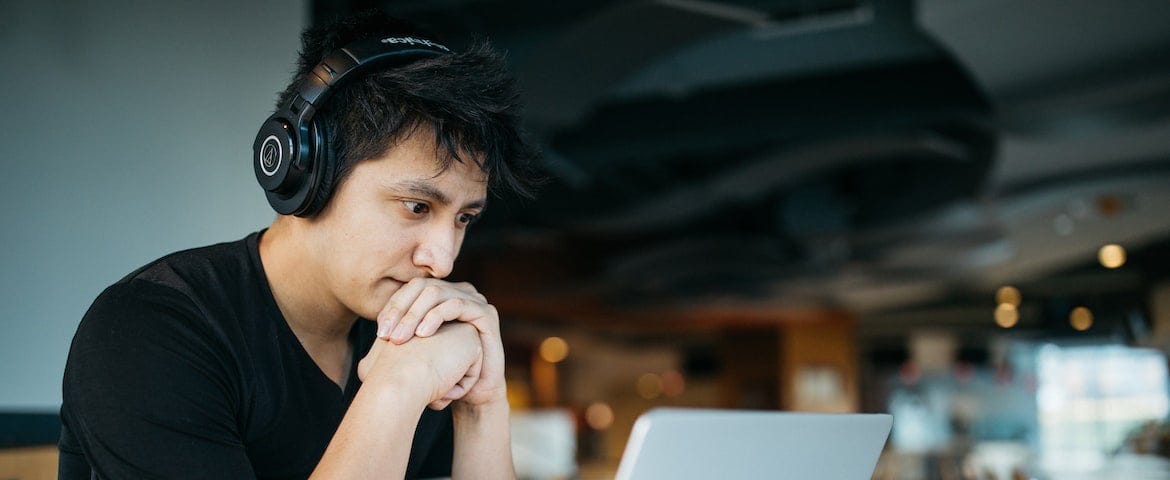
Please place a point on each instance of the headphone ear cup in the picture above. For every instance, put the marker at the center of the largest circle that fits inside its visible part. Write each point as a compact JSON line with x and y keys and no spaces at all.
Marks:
{"x":283,"y":163}
{"x":324,"y":171}
{"x":273,"y":155}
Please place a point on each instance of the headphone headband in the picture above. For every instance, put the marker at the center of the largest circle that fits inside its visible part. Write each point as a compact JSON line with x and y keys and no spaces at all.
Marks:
{"x":314,"y":86}
{"x":298,"y":182}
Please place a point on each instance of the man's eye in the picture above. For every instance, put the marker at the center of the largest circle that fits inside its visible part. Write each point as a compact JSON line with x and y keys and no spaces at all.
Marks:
{"x":468,"y":218}
{"x":417,"y":208}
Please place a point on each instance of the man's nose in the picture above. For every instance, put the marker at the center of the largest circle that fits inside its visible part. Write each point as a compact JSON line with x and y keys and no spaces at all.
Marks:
{"x":436,"y":251}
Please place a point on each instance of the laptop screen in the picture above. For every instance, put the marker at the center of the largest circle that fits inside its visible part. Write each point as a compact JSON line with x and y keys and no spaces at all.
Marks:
{"x":674,"y":444}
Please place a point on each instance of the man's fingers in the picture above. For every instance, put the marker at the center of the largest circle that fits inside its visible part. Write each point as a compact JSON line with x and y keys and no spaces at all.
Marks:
{"x":455,"y":393}
{"x":466,"y":383}
{"x":422,"y":305}
{"x":450,"y":309}
{"x":461,"y":388}
{"x":398,"y":305}
{"x":430,"y":296}
{"x":435,"y":317}
{"x":471,"y":378}
{"x":477,"y":314}
{"x":470,"y":290}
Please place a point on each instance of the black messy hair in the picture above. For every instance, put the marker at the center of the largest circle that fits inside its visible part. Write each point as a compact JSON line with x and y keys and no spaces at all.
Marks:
{"x":468,"y":98}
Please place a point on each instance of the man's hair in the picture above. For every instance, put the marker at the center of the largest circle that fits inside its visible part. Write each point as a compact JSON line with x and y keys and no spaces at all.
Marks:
{"x":468,"y":98}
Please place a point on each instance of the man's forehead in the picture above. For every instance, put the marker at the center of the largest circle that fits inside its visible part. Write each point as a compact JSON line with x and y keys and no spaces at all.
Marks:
{"x":464,"y":169}
{"x":452,"y":176}
{"x":417,"y":162}
{"x":426,"y":148}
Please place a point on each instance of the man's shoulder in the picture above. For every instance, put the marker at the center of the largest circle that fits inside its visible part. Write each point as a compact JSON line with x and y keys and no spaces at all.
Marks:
{"x":193,"y":268}
{"x":192,"y":287}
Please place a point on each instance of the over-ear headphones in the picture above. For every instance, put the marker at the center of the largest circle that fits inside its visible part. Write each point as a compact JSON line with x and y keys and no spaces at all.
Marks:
{"x":291,"y":155}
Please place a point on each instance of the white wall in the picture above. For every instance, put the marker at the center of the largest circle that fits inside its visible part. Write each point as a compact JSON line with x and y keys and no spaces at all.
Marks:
{"x":126,"y":130}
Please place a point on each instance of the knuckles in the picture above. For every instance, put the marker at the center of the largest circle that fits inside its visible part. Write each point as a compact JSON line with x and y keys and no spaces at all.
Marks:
{"x":431,"y":290}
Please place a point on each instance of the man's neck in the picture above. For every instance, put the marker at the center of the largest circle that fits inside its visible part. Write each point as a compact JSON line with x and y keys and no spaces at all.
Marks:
{"x":311,"y":310}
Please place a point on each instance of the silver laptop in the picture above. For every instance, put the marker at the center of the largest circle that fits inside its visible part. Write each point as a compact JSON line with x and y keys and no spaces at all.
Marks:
{"x":672,"y":443}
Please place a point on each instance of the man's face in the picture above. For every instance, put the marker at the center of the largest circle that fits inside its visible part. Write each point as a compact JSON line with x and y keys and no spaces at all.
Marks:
{"x":393,"y":219}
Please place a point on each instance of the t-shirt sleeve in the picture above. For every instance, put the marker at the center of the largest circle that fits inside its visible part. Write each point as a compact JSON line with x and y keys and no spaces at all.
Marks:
{"x":149,"y":389}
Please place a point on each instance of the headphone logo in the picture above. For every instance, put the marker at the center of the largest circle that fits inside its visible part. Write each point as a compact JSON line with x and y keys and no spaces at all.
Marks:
{"x":415,"y":41}
{"x":271,"y":154}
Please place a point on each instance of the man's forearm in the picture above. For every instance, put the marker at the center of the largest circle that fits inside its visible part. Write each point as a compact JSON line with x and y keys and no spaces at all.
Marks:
{"x":374,"y":438}
{"x":483,"y":442}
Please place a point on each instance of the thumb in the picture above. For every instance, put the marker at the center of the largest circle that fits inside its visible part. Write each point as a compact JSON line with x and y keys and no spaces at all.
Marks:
{"x":367,"y":363}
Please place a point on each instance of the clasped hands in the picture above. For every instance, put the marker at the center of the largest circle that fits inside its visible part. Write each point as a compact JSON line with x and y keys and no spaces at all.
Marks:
{"x":458,"y":361}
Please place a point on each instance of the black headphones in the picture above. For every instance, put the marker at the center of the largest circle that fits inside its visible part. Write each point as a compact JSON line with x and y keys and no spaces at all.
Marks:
{"x":291,"y":154}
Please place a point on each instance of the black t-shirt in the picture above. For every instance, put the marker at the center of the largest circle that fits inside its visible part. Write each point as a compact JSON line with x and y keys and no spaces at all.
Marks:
{"x":186,"y":369}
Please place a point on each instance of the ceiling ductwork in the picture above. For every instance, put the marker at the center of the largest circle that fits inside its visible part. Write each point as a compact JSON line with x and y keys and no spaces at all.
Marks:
{"x":863,"y":154}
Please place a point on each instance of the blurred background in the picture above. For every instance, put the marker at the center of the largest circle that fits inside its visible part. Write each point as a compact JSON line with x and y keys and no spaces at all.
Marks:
{"x":954,"y":211}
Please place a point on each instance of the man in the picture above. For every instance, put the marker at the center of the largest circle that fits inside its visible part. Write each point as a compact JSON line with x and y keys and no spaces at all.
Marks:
{"x":315,"y":347}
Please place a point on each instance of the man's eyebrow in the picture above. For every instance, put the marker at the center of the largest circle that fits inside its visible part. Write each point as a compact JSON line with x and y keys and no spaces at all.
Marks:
{"x":429,"y":191}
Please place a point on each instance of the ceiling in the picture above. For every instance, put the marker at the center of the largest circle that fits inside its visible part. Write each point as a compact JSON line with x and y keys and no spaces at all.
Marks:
{"x":876,"y":156}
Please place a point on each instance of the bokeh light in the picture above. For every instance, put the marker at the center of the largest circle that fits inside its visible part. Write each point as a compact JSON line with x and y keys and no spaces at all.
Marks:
{"x":1009,"y":295}
{"x":599,"y":416}
{"x":1081,"y":319}
{"x":649,"y":386}
{"x":1111,"y":256}
{"x":1006,"y":315}
{"x":554,"y":349}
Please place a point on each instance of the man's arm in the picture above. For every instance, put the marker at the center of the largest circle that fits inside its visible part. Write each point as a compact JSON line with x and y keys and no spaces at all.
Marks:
{"x":373,"y":440}
{"x":483,"y":444}
{"x":398,"y":382}
{"x":480,"y":408}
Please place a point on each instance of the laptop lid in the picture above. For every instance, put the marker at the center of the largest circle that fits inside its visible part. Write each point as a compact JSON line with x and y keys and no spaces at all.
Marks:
{"x":672,"y":443}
